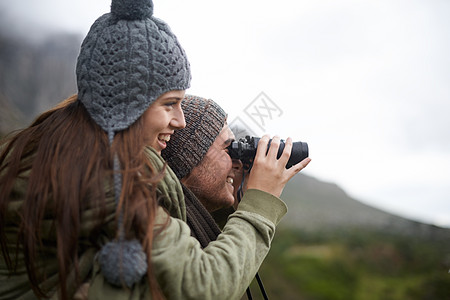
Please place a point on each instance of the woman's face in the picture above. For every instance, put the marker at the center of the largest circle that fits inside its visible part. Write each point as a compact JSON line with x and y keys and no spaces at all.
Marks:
{"x":162,"y":118}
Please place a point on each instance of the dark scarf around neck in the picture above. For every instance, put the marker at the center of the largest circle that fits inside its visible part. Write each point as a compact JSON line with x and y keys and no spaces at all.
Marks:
{"x":203,"y":227}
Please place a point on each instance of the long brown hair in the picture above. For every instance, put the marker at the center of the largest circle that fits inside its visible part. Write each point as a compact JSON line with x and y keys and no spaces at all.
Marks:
{"x":67,"y":160}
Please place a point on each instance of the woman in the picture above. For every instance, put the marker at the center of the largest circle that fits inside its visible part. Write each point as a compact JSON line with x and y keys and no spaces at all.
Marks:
{"x":85,"y":204}
{"x":56,"y":175}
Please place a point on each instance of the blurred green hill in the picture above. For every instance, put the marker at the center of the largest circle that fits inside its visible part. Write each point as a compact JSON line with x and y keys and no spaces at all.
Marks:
{"x":329,"y":246}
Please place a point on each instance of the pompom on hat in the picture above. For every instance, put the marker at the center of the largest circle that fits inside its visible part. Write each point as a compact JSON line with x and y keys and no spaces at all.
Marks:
{"x":127,"y":60}
{"x":188,"y":146}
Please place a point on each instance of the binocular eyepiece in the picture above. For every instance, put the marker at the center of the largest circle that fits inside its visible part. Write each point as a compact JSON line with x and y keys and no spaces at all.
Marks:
{"x":245,"y":150}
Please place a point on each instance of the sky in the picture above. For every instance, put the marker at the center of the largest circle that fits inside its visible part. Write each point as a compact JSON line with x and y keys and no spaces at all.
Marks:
{"x":364,"y":83}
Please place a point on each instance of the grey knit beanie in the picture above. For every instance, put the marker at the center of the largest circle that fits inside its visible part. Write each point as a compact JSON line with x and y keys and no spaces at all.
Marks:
{"x":187,"y":147}
{"x":127,"y":60}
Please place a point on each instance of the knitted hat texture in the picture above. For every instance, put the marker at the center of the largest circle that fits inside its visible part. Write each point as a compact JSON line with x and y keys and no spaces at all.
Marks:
{"x":187,"y":147}
{"x":127,"y":60}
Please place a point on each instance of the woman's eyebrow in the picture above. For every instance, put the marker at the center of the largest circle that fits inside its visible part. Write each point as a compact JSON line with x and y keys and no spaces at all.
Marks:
{"x":173,"y":99}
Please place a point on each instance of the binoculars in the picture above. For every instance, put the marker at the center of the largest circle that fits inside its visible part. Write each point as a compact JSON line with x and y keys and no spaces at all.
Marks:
{"x":245,"y":150}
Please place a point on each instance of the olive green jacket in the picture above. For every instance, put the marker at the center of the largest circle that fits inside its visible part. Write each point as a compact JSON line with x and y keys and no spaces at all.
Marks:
{"x":222,"y":270}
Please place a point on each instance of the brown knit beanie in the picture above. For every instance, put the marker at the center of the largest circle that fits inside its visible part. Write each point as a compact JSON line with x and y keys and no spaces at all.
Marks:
{"x":187,"y":147}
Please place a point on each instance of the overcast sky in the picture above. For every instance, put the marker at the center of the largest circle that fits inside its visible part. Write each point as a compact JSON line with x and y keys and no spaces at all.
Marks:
{"x":365,"y":83}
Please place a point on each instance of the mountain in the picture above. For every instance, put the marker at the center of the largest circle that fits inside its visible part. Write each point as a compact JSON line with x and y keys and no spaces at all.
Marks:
{"x":317,"y":205}
{"x":36,"y":74}
{"x":10,"y":117}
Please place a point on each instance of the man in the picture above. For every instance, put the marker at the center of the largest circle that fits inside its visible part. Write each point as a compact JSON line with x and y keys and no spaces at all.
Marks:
{"x":198,"y":155}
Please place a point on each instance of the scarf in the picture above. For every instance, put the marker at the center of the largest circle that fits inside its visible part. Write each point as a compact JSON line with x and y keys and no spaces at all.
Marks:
{"x":169,"y":191}
{"x":203,"y":227}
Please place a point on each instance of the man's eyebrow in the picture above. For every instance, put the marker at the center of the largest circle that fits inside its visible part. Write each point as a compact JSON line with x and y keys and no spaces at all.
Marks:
{"x":228,"y":141}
